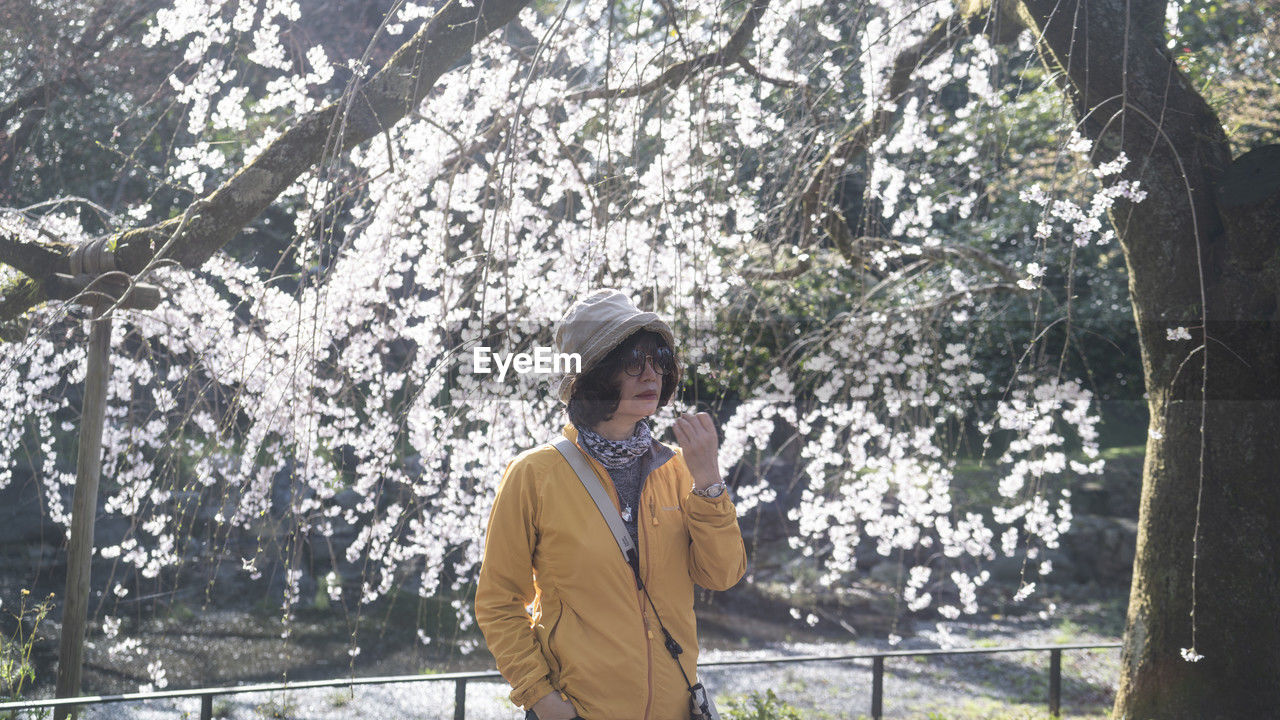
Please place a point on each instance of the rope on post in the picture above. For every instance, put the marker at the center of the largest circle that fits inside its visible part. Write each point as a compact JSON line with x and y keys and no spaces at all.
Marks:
{"x":93,"y":258}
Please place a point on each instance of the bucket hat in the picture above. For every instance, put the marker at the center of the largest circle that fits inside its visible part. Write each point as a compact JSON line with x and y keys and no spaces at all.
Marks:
{"x":598,"y":323}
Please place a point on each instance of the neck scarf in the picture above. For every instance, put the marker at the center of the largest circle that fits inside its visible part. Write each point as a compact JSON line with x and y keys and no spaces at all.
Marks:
{"x":617,"y":454}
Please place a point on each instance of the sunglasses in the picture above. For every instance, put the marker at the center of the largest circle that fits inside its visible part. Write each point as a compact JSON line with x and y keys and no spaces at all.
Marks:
{"x":664,"y":361}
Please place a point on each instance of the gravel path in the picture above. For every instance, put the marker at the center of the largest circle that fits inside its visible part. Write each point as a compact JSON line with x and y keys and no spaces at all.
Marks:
{"x":1007,"y":685}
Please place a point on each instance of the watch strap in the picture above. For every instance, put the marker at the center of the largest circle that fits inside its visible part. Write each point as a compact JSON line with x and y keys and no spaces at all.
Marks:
{"x":706,"y":492}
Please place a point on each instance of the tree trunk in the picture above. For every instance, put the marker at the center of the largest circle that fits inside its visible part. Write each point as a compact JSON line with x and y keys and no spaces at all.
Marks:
{"x":1203,"y":252}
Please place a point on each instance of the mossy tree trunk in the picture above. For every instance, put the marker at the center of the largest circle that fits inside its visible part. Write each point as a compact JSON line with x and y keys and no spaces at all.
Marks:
{"x":1203,"y":252}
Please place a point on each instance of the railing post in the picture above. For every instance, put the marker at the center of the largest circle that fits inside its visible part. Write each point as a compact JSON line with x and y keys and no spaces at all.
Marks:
{"x":460,"y":699}
{"x":206,"y":707}
{"x":1055,"y":682}
{"x":877,"y":687}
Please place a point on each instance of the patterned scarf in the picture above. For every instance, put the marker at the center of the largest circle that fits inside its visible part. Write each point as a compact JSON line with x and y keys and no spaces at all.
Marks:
{"x":617,"y":454}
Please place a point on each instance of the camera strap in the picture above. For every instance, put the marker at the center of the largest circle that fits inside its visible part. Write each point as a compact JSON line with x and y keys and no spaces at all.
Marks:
{"x":573,"y":454}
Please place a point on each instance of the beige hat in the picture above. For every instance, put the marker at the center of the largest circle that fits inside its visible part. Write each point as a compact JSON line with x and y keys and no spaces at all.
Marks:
{"x":598,"y":323}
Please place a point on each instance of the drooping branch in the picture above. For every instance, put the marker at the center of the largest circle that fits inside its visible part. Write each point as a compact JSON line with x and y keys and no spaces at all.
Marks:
{"x":13,"y":144}
{"x":1172,"y":137}
{"x":16,"y":299}
{"x":730,"y":54}
{"x":30,"y":98}
{"x":753,"y":71}
{"x":367,"y":109}
{"x":676,"y":74}
{"x":973,"y":255}
{"x":816,"y":198}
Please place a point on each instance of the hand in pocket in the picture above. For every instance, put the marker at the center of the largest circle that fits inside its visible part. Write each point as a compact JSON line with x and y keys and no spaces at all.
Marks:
{"x":554,"y":707}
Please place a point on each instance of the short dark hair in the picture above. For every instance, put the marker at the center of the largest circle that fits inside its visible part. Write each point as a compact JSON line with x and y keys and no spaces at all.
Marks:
{"x":595,"y":396}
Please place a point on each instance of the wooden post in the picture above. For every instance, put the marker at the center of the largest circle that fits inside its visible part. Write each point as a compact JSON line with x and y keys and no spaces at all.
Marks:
{"x":84,"y":508}
{"x":1055,"y":682}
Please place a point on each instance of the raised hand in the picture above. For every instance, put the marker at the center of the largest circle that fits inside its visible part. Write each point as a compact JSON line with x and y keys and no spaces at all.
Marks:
{"x":696,"y":435}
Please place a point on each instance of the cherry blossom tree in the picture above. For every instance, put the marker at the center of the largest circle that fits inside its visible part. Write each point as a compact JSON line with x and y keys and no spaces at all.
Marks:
{"x":787,"y":159}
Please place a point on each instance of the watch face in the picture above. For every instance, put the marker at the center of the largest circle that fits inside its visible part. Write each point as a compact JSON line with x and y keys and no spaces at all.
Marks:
{"x":714,"y":491}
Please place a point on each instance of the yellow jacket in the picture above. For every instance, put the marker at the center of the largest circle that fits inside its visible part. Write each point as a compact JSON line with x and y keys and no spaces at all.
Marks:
{"x":591,"y":634}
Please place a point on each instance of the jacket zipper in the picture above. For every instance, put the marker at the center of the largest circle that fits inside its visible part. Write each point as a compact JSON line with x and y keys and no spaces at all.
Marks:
{"x":648,"y":633}
{"x":644,"y":616}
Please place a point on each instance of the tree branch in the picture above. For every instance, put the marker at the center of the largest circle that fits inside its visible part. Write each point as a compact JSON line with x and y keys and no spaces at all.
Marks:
{"x":1154,"y":114}
{"x":681,"y":71}
{"x":20,"y":295}
{"x":820,"y":184}
{"x":368,"y":109}
{"x":974,"y":255}
{"x":754,"y":72}
{"x":958,"y":295}
{"x":764,"y":273}
{"x":31,"y":258}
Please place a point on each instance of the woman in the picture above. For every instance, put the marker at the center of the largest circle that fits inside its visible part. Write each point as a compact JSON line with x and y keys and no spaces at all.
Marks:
{"x":557,"y":603}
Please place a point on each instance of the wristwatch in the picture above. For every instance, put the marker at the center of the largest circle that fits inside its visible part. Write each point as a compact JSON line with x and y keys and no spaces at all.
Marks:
{"x":713,"y":490}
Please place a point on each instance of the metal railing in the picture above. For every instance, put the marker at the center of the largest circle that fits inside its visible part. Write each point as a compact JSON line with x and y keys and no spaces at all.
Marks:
{"x":207,"y":694}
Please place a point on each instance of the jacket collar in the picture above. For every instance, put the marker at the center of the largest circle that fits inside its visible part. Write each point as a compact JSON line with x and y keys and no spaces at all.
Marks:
{"x":658,"y":455}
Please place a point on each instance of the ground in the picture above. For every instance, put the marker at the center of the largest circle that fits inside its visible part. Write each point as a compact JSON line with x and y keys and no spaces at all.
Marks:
{"x":225,"y":648}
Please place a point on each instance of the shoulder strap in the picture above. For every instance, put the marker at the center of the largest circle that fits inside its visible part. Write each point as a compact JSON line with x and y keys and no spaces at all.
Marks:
{"x":591,"y":482}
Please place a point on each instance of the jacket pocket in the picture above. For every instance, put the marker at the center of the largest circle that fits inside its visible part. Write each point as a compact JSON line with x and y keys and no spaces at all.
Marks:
{"x":564,"y":653}
{"x":545,"y":632}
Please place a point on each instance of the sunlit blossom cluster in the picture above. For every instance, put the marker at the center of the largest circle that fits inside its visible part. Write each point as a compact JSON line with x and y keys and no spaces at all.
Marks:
{"x":869,"y":412}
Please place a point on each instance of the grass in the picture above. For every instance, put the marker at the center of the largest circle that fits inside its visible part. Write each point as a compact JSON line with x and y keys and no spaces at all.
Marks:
{"x":342,"y":698}
{"x":975,"y":488}
{"x":1105,"y":616}
{"x":1125,"y":451}
{"x":1066,"y":632}
{"x":979,"y":710}
{"x":758,"y":706}
{"x":178,"y":612}
{"x":793,"y":684}
{"x":283,"y":709}
{"x":970,"y":464}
